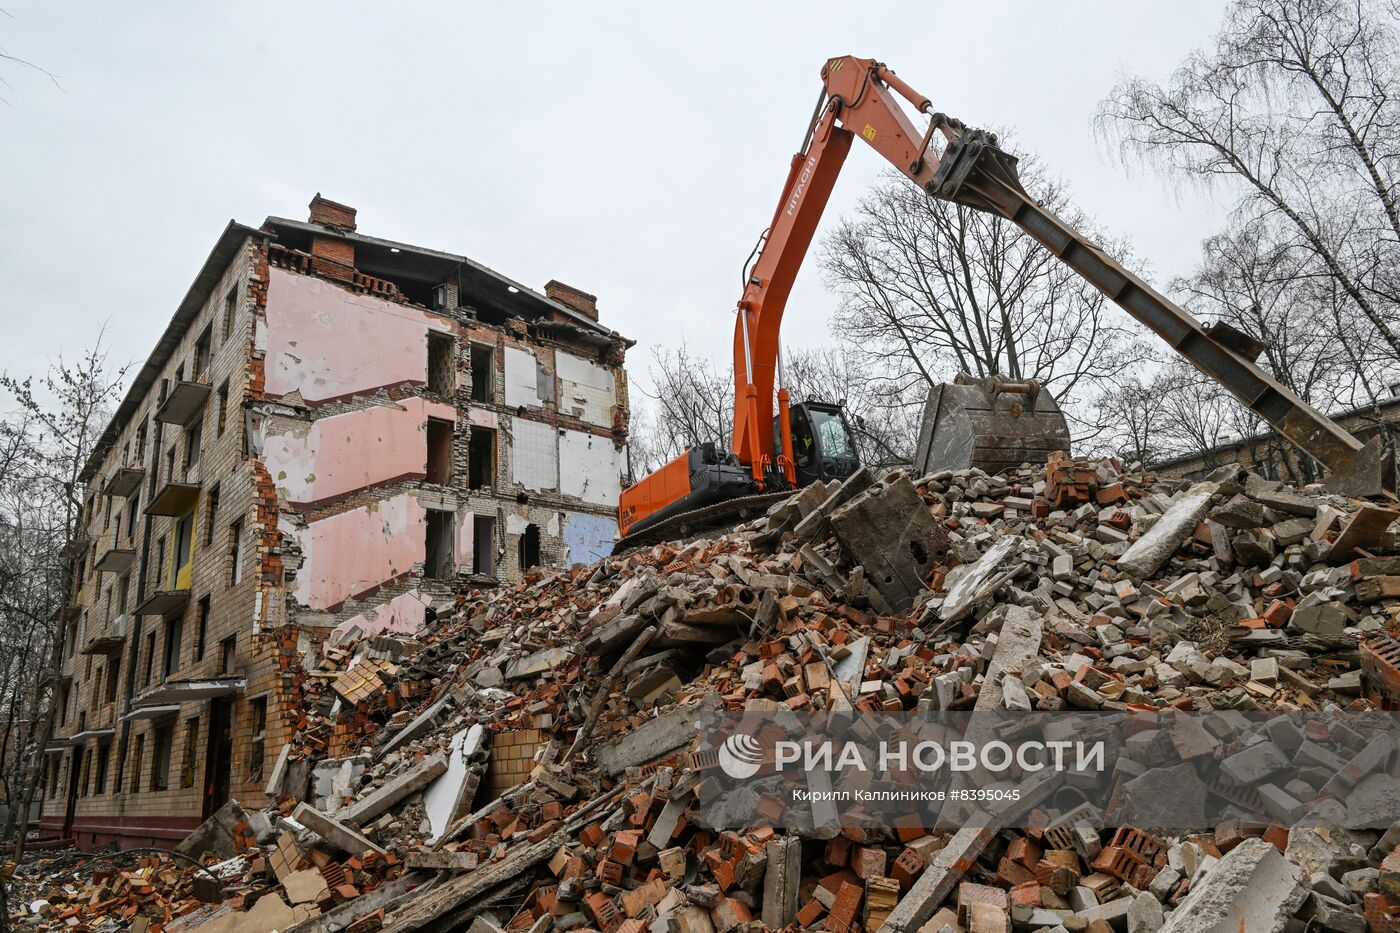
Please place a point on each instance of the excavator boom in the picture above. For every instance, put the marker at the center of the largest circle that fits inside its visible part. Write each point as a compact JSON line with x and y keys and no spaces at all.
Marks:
{"x":860,"y":98}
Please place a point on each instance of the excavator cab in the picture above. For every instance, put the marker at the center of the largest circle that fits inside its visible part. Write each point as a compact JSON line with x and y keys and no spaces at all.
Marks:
{"x":823,"y":446}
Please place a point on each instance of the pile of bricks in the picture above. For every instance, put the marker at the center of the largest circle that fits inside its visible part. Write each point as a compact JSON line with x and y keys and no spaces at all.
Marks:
{"x":527,"y":761}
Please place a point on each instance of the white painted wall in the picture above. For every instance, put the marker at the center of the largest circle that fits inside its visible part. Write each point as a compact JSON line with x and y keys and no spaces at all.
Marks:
{"x":591,"y":468}
{"x":586,"y":390}
{"x":534,"y":455}
{"x":522,"y":385}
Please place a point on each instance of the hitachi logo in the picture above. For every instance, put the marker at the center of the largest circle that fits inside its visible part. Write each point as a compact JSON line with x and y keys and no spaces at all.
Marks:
{"x":801,"y":185}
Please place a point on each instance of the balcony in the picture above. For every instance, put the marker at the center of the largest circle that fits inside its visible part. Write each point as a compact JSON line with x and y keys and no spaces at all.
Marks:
{"x":124,"y":482}
{"x":116,"y":560}
{"x":186,"y":399}
{"x":163,"y":603}
{"x":107,"y":638}
{"x":183,"y":691}
{"x":174,"y":499}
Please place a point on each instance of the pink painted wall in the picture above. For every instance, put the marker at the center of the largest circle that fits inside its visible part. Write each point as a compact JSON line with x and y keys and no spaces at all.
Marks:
{"x":340,"y":454}
{"x":351,"y":552}
{"x":404,"y":614}
{"x":330,"y":342}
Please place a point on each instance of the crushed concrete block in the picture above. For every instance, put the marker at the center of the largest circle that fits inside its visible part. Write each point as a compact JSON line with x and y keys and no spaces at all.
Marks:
{"x":891,"y":533}
{"x":1148,"y":553}
{"x":658,"y":736}
{"x":1252,"y":888}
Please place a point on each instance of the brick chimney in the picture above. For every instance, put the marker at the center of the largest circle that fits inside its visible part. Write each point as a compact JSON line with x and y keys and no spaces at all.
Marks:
{"x":582,"y":302}
{"x":330,"y":213}
{"x":332,"y":256}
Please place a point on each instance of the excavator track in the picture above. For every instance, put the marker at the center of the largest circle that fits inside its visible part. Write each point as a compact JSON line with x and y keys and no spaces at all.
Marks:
{"x":706,"y":518}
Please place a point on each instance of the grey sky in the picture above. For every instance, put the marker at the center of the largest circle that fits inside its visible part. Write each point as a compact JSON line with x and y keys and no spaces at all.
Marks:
{"x":632,"y":150}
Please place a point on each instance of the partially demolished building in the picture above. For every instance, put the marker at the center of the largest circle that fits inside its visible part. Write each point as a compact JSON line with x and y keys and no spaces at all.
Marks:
{"x":333,"y":430}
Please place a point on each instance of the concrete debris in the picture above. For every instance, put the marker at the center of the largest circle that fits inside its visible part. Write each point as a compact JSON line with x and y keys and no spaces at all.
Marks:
{"x":522,"y":764}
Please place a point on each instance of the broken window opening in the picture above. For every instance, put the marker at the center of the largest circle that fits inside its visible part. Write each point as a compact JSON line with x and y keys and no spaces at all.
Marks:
{"x":483,"y":363}
{"x":529,"y":547}
{"x":211,"y":514}
{"x":258,"y":740}
{"x":194,"y":443}
{"x":150,"y":656}
{"x":201,"y":353}
{"x":484,"y":545}
{"x":439,"y":451}
{"x":174,"y":629}
{"x":201,"y":627}
{"x":437,"y":562}
{"x":182,"y":564}
{"x":104,"y":758}
{"x":235,"y":552}
{"x":221,"y":422}
{"x":191,"y":752}
{"x":226,"y":651}
{"x":481,"y":458}
{"x":136,"y":768}
{"x":160,"y":756}
{"x":440,"y":365}
{"x":230,"y":310}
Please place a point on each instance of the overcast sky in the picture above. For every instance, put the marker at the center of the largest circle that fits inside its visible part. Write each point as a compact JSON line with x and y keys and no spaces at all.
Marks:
{"x":632,"y":150}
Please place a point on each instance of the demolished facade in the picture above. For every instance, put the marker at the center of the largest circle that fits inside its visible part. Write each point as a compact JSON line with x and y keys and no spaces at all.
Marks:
{"x":333,"y":431}
{"x":529,"y":760}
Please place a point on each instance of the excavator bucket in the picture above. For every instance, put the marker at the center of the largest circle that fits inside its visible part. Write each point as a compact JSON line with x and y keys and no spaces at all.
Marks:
{"x":992,"y":424}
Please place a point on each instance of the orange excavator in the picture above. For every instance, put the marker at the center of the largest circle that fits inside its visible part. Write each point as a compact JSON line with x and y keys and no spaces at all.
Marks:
{"x":965,"y":423}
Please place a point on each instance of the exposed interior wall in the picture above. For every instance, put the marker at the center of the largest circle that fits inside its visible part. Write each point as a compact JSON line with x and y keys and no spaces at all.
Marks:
{"x":594,"y":468}
{"x":329,"y":457}
{"x":534,"y":454}
{"x":587,"y":391}
{"x":588,"y":537}
{"x":327,"y":342}
{"x":346,"y":554}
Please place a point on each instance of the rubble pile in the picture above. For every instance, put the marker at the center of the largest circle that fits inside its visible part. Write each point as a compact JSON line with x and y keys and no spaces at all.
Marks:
{"x":528,"y":761}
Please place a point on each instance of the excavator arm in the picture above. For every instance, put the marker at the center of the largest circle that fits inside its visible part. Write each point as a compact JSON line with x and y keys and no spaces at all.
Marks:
{"x":860,"y":99}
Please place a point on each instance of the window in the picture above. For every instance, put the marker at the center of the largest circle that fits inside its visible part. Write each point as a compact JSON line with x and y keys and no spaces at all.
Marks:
{"x":173,"y":632}
{"x":481,"y":458}
{"x":63,"y":704}
{"x":104,"y":759}
{"x":163,"y":736}
{"x":483,"y":362}
{"x":191,"y":752}
{"x":53,"y":775}
{"x":170,"y":465}
{"x":235,"y":551}
{"x":201,"y":627}
{"x":123,"y":593}
{"x":439,"y":451}
{"x":211,"y":514}
{"x":438,"y":563}
{"x":141,"y":442}
{"x":194,"y":441}
{"x":440,"y":367}
{"x":83,"y":784}
{"x":150,"y":655}
{"x":136,"y":765}
{"x":121,"y":765}
{"x":181,"y":569}
{"x":230,"y":311}
{"x":221,"y":416}
{"x":113,"y":668}
{"x":529,"y":547}
{"x":484,"y":544}
{"x":160,"y":560}
{"x":227,"y":647}
{"x":257,"y":730}
{"x":132,"y":507}
{"x":201,"y":352}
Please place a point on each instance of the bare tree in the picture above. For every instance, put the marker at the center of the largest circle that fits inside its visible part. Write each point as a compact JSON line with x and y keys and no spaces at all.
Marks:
{"x":1294,"y":112}
{"x":51,"y":431}
{"x":929,"y":288}
{"x":691,"y":402}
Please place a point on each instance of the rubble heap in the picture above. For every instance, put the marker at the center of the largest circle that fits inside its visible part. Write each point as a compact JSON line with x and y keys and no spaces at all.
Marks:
{"x":526,"y":761}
